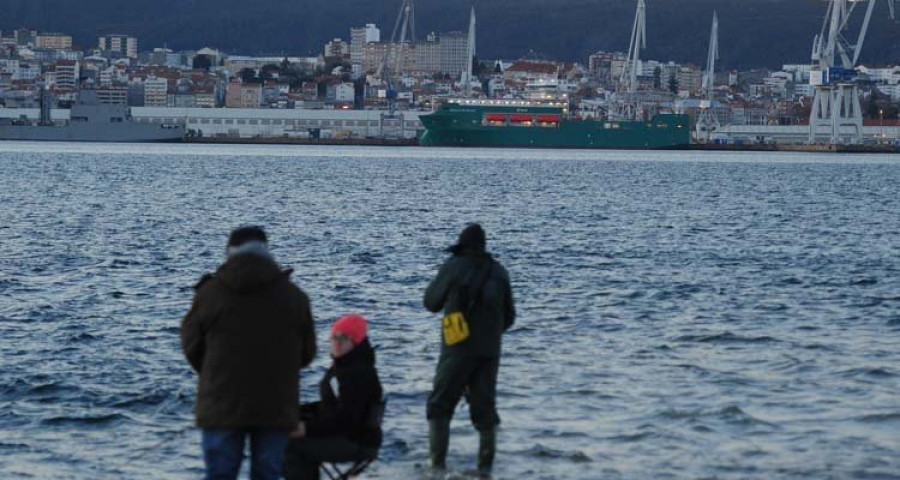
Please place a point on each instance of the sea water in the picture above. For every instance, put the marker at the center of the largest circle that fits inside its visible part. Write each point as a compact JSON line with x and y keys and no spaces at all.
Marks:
{"x":680,"y":314}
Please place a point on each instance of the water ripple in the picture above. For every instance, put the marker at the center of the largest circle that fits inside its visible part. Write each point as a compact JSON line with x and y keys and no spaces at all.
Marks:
{"x":681,"y":314}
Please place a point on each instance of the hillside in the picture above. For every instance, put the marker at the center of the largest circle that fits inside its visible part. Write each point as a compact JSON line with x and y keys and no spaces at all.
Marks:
{"x":753,"y":33}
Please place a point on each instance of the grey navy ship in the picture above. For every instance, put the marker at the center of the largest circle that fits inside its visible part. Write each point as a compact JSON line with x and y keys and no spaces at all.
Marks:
{"x":89,"y":121}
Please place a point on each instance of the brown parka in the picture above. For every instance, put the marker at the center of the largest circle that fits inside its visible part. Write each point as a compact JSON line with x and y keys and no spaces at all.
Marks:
{"x":248,"y":334}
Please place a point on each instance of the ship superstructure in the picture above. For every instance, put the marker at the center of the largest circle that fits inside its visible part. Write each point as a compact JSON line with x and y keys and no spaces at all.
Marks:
{"x":89,"y":121}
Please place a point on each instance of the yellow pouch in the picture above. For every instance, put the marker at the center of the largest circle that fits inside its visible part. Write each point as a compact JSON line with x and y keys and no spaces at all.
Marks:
{"x":455,"y":328}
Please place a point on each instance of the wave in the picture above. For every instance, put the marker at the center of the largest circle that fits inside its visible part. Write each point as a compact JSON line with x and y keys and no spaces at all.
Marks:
{"x":52,"y":387}
{"x":365,"y":258}
{"x":631,"y":438}
{"x":541,"y":451}
{"x":877,"y":372}
{"x":88,"y":420}
{"x":83,"y":337}
{"x":14,"y":446}
{"x":725,"y":337}
{"x":880,"y":417}
{"x":733,"y":415}
{"x":149,"y":399}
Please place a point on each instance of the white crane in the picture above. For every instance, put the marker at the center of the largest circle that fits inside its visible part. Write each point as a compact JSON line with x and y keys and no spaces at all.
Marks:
{"x":836,"y":111}
{"x":470,"y":56}
{"x":707,"y":121}
{"x":627,"y":99}
{"x":638,"y":43}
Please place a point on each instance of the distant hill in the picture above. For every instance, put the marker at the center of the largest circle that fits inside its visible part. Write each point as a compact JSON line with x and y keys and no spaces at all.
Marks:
{"x":753,"y":33}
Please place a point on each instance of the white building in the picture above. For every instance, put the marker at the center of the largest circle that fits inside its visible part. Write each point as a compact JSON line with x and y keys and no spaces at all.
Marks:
{"x":359,"y":37}
{"x":241,"y":122}
{"x":804,"y":89}
{"x":890,"y":75}
{"x":9,"y":66}
{"x":799,"y":72}
{"x":344,"y":93}
{"x":336,"y":48}
{"x":237,"y":63}
{"x":156,"y":92}
{"x":122,"y":44}
{"x":892,"y":90}
{"x":67,"y":74}
{"x":57,"y":41}
{"x":454,"y":49}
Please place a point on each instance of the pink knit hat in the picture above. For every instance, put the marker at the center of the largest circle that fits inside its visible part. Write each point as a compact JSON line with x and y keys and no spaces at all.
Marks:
{"x":352,"y":325}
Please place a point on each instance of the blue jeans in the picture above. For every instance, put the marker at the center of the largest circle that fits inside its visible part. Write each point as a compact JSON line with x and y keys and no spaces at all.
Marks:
{"x":223,"y":451}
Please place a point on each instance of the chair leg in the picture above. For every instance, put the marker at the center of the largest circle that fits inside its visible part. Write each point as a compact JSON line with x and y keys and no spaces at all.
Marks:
{"x":335,"y":473}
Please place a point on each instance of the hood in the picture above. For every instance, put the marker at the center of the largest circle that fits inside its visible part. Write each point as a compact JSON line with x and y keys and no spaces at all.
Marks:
{"x":362,"y":353}
{"x":247,"y":272}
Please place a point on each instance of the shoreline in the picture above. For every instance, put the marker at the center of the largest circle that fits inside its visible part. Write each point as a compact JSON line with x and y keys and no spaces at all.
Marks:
{"x":413,"y":142}
{"x":379,"y":142}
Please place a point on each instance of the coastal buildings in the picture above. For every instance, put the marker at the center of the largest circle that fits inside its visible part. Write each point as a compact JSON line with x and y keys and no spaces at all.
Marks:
{"x":341,"y":76}
{"x":436,"y":53}
{"x":121,"y":45}
{"x":53,"y":41}
{"x":359,"y":38}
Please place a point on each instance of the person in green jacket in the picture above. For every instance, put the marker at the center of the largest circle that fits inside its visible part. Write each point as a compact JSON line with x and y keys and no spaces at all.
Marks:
{"x":471,"y":282}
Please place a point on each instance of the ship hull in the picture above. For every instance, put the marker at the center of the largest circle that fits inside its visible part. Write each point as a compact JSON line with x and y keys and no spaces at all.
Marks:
{"x":467,"y":126}
{"x":126,"y":132}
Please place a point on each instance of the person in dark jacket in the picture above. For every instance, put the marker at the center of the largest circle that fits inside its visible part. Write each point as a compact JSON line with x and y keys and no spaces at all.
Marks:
{"x":472,"y":282}
{"x":247,"y":334}
{"x":344,"y":425}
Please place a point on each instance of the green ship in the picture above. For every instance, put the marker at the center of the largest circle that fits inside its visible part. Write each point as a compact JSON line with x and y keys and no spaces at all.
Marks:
{"x":519,"y":123}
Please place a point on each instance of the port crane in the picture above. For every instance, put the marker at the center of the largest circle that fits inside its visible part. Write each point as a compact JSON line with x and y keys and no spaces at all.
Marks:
{"x":836,"y":111}
{"x":628,"y":107}
{"x":404,"y":24}
{"x":707,"y":120}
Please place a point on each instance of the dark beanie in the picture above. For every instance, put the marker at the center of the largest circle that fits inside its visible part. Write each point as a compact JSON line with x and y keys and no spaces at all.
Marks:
{"x":472,"y":238}
{"x":242,"y":235}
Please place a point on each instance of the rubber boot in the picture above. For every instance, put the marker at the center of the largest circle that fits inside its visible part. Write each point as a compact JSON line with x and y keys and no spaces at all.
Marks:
{"x":487,"y":446}
{"x":439,"y":440}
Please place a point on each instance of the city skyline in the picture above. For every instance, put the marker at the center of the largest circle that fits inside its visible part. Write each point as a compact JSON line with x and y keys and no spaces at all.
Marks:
{"x":754,"y":34}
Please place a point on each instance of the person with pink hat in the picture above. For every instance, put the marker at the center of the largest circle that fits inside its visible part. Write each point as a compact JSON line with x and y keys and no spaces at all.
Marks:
{"x":344,"y":425}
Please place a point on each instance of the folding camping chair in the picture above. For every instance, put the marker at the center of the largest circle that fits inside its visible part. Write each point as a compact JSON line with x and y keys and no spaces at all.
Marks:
{"x":332,"y":469}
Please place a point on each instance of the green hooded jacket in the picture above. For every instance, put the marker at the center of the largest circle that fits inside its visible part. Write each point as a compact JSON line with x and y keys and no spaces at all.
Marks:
{"x":493,"y":312}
